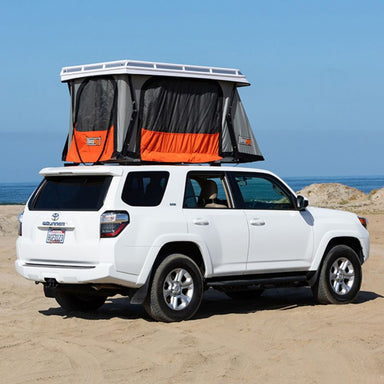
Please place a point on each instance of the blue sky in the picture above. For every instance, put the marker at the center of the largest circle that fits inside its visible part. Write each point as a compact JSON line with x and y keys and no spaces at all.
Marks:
{"x":316,"y":68}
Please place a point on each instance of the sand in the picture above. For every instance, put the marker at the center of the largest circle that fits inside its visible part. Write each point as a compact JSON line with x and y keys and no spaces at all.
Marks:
{"x":284,"y":337}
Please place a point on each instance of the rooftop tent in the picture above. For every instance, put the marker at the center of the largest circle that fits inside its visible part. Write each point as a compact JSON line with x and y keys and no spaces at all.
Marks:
{"x":138,"y":111}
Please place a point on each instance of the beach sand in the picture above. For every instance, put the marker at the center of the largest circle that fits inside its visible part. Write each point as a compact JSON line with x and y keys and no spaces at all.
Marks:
{"x":284,"y":337}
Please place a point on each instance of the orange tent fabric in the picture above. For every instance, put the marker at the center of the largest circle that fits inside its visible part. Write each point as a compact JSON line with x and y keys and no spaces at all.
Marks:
{"x":179,"y":147}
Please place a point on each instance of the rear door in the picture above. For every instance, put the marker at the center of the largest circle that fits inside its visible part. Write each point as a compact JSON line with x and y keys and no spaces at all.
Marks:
{"x":210,"y":213}
{"x":281,"y":237}
{"x":62,"y":224}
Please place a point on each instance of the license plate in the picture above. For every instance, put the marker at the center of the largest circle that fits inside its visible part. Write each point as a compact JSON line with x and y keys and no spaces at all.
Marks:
{"x":55,"y":236}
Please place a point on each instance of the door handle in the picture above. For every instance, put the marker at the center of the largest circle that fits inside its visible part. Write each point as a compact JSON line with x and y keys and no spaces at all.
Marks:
{"x":257,"y":222}
{"x":200,"y":222}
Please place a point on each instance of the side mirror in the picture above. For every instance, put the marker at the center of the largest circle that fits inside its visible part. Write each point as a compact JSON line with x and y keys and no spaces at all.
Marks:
{"x":301,"y":203}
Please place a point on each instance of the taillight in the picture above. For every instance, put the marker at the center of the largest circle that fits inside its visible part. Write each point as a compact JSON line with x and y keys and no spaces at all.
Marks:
{"x":20,"y":220}
{"x":363,"y":221}
{"x":112,"y":223}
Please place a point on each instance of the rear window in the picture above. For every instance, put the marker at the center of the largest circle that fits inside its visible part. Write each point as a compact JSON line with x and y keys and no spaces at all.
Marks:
{"x":145,"y":189}
{"x":71,"y":193}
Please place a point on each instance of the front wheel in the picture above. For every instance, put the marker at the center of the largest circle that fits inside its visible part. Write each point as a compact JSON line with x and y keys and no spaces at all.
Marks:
{"x":340,"y":276}
{"x":79,"y":302}
{"x":176,"y":291}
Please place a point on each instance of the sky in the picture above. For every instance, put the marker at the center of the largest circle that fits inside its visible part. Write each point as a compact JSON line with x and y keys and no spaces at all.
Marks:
{"x":316,"y":69}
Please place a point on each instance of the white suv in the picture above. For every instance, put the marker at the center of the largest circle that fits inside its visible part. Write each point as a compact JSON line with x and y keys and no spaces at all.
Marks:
{"x":162,"y":234}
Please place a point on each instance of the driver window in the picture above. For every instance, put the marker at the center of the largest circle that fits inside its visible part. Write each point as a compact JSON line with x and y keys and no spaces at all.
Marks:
{"x":258,"y":192}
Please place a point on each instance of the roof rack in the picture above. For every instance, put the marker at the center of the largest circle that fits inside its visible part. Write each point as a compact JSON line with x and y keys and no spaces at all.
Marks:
{"x":153,"y":68}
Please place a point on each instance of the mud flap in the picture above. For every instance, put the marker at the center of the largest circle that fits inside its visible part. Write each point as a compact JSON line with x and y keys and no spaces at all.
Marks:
{"x":141,"y":294}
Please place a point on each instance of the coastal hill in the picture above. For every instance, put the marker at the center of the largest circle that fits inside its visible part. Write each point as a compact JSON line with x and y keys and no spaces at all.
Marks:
{"x":339,"y":196}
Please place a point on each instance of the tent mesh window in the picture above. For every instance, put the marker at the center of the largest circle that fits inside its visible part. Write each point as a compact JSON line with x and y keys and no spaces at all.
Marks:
{"x":95,"y":104}
{"x":93,"y":136}
{"x":180,"y":120}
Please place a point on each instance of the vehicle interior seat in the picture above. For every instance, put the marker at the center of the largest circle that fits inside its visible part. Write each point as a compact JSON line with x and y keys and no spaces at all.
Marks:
{"x":208,"y":195}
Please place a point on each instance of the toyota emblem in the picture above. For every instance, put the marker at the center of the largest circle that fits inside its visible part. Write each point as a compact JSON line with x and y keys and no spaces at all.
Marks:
{"x":55,"y":216}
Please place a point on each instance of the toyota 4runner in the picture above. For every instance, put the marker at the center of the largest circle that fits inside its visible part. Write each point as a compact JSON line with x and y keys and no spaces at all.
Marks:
{"x":163,"y":234}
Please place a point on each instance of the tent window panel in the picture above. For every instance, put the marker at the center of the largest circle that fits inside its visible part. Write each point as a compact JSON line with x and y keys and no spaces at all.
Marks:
{"x":95,"y":105}
{"x":176,"y":105}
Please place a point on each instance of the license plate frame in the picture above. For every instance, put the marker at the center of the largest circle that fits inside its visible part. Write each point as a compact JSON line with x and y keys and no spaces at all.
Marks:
{"x":55,"y":236}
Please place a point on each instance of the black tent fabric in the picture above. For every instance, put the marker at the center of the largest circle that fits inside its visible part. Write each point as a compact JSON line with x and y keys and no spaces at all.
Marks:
{"x":180,"y":120}
{"x":95,"y":104}
{"x":95,"y":116}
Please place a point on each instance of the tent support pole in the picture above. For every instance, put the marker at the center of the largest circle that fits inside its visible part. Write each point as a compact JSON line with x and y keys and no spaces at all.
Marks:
{"x":230,"y":127}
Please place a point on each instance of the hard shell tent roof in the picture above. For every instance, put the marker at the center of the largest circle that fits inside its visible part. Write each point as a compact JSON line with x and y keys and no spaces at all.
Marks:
{"x":132,"y":111}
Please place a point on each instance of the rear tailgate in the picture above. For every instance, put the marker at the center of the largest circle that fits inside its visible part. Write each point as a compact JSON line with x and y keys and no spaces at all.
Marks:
{"x":71,"y":240}
{"x":61,"y":225}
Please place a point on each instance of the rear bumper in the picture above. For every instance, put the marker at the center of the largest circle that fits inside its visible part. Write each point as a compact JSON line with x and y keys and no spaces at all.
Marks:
{"x":102,"y":273}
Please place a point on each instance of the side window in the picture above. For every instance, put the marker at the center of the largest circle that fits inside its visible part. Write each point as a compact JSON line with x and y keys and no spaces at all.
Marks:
{"x":205,"y":191}
{"x":145,"y":189}
{"x":262,"y":192}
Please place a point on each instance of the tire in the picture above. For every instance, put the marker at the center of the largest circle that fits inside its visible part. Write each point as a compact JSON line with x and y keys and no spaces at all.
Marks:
{"x":244,"y":294}
{"x":77,"y":302}
{"x":340,"y":277}
{"x":176,"y":290}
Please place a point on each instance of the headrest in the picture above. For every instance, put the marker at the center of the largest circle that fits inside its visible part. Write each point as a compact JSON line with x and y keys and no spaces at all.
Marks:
{"x":209,"y":190}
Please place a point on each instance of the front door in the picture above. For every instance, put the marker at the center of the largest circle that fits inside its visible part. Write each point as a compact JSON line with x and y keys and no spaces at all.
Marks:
{"x":281,"y":237}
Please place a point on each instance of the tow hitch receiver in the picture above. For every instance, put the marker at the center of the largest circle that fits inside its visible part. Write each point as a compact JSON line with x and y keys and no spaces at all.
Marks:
{"x":50,"y":286}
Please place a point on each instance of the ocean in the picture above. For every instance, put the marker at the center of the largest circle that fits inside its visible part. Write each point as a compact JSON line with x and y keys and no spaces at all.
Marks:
{"x":18,"y":193}
{"x":366,"y":184}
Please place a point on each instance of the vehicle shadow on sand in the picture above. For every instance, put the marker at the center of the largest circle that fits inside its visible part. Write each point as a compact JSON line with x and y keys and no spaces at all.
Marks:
{"x":214,"y":303}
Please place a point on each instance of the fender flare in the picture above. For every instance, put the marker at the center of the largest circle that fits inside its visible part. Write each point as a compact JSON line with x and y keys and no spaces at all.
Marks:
{"x":164,"y":240}
{"x":324,"y":242}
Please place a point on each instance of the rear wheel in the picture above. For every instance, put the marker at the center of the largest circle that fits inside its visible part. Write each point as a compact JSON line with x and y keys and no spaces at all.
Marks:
{"x":79,"y":302}
{"x":340,"y":277}
{"x":176,"y":291}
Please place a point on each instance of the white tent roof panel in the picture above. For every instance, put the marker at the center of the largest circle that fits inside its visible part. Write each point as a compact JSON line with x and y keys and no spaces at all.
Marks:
{"x":153,"y":69}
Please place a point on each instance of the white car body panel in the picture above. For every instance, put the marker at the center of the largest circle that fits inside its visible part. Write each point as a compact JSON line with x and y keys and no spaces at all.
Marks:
{"x":226,"y":234}
{"x":292,"y":247}
{"x":331,"y":224}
